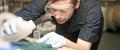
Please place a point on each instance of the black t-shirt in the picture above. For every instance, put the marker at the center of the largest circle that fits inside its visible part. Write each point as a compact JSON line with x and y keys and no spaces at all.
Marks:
{"x":86,"y":22}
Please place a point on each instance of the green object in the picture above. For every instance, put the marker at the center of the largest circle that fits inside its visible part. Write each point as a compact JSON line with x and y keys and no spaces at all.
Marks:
{"x":25,"y":45}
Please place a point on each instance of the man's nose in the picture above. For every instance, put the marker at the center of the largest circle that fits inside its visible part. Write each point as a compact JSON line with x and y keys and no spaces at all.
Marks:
{"x":57,"y":15}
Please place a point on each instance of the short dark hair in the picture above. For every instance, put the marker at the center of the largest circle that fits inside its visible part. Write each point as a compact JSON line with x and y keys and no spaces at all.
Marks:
{"x":72,"y":1}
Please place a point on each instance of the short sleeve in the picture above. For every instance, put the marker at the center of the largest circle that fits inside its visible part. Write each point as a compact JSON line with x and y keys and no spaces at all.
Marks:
{"x":91,"y":30}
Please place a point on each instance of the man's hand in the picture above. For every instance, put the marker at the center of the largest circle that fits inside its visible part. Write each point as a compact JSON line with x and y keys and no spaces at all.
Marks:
{"x":54,"y":39}
{"x":11,"y":23}
{"x":18,"y":29}
{"x":10,"y":26}
{"x":13,"y":28}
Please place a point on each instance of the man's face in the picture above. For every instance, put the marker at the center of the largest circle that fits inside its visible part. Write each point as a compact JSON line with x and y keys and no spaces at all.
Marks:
{"x":61,"y":10}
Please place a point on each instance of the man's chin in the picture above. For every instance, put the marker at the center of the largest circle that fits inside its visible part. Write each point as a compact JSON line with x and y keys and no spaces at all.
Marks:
{"x":60,"y":22}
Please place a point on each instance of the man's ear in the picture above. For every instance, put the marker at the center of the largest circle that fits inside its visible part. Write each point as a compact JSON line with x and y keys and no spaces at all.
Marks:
{"x":77,"y":4}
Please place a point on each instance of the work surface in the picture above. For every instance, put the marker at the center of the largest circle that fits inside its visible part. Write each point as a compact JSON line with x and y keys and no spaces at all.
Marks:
{"x":110,"y":41}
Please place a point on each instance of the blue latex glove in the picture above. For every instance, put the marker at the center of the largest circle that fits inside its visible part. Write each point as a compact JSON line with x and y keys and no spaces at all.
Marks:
{"x":15,"y":46}
{"x":11,"y":46}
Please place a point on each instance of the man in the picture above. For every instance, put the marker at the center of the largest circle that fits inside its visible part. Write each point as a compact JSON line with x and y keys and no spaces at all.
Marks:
{"x":79,"y":23}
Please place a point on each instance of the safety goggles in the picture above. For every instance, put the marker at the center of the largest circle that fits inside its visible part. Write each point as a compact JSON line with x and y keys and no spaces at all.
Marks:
{"x":62,"y":9}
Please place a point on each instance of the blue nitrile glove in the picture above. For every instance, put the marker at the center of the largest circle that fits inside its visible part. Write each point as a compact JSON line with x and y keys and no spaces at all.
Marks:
{"x":4,"y":45}
{"x":15,"y":46}
{"x":8,"y":46}
{"x":12,"y":48}
{"x":54,"y":39}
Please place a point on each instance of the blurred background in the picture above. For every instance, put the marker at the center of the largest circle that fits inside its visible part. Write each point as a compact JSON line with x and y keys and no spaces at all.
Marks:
{"x":111,"y":12}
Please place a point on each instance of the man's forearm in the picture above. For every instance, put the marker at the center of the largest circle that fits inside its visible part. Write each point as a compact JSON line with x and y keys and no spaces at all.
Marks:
{"x":76,"y":46}
{"x":65,"y":48}
{"x":73,"y":45}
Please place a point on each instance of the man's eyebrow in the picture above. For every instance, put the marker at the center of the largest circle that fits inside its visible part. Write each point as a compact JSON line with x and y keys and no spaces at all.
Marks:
{"x":60,"y":6}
